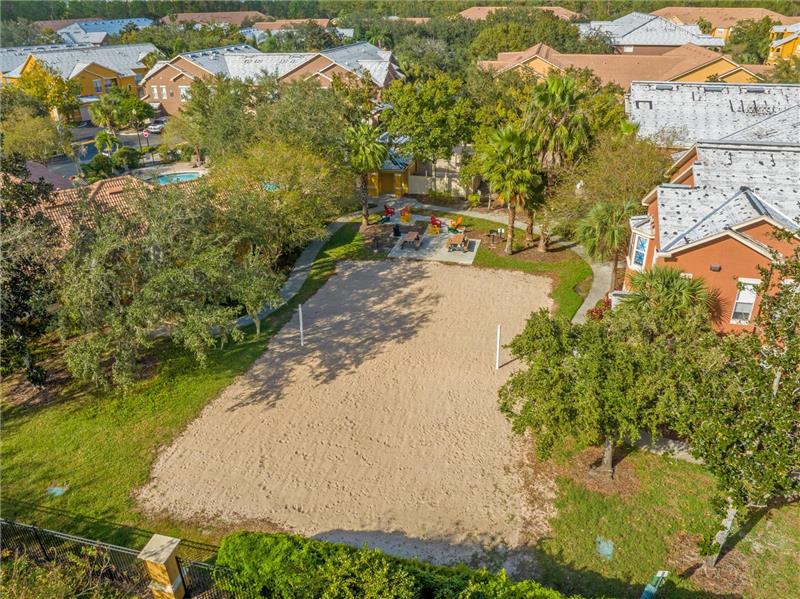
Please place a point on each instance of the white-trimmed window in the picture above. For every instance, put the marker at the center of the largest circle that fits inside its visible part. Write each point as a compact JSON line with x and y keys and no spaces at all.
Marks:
{"x":184,"y":92}
{"x":164,"y":92}
{"x":627,"y":49}
{"x":154,"y":92}
{"x":745,"y":301}
{"x":98,"y":86}
{"x":638,"y":251}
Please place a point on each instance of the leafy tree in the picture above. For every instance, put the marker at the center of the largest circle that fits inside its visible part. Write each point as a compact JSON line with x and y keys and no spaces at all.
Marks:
{"x":743,"y":416}
{"x":32,"y":136}
{"x":173,"y":39}
{"x":303,"y":37}
{"x":99,"y":167}
{"x":21,"y":32}
{"x":559,"y":126}
{"x":605,"y":232}
{"x":785,"y":71}
{"x":665,"y":291}
{"x":704,"y":25}
{"x":58,"y":95}
{"x":256,"y":285}
{"x":365,"y":155}
{"x":27,"y":241}
{"x":421,"y":57}
{"x":434,"y":113}
{"x":749,"y":41}
{"x":582,"y":382}
{"x":126,"y":158}
{"x":507,"y":163}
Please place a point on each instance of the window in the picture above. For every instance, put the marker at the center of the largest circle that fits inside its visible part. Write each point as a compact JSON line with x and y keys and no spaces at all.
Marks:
{"x":638,"y":251}
{"x":627,"y":49}
{"x":184,"y":92}
{"x":745,"y":301}
{"x":98,"y":87}
{"x":163,"y":92}
{"x":154,"y":92}
{"x":109,"y":83}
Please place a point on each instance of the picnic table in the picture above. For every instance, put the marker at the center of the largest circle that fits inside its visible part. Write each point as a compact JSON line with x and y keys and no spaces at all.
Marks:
{"x":411,"y":237}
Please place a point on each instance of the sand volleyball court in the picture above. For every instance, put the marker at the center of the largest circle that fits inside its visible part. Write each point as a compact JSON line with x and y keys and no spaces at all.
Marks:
{"x":383,"y":429}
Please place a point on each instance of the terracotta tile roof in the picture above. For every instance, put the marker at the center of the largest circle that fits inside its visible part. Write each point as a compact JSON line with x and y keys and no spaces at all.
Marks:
{"x":288,"y":24}
{"x":37,"y":171}
{"x":720,"y":17}
{"x":479,"y":13}
{"x":117,"y":193}
{"x":234,"y":17}
{"x":620,"y":69}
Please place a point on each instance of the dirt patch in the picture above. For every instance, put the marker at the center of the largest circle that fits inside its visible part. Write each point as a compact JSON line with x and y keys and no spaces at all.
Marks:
{"x":729,"y":578}
{"x":383,"y":429}
{"x":583,"y":469}
{"x":384,"y":234}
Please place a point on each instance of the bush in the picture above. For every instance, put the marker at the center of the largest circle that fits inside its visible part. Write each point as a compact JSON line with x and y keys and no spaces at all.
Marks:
{"x":80,"y":576}
{"x":167,"y":153}
{"x":474,"y":200}
{"x":439,"y":196}
{"x":281,"y":565}
{"x":186,"y":153}
{"x":126,"y":158}
{"x":99,"y":167}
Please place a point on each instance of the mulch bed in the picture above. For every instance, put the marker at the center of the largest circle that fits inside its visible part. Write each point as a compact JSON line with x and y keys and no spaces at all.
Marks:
{"x":583,"y":469}
{"x":729,"y":578}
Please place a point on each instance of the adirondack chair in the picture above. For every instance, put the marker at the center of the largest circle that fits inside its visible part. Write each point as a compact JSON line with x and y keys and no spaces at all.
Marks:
{"x":455,"y":226}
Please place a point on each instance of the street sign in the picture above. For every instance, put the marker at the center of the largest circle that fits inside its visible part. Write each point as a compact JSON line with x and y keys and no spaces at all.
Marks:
{"x":146,"y":133}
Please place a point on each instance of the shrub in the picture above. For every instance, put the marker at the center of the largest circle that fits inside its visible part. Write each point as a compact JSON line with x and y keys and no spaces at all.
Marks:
{"x":474,"y":200}
{"x":99,"y":167}
{"x":435,"y":195}
{"x":126,"y":157}
{"x":281,"y":565}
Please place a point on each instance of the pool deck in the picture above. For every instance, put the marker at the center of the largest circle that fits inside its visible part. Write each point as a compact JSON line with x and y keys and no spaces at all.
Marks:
{"x":151,"y":172}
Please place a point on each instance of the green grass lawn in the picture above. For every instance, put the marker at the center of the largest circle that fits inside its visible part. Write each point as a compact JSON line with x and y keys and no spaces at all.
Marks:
{"x":101,"y":444}
{"x":571,"y":274}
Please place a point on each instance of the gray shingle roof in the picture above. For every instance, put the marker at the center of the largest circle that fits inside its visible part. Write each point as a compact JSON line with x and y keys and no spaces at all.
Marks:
{"x":12,"y":57}
{"x":783,"y":127}
{"x":121,"y":59}
{"x":640,"y":29}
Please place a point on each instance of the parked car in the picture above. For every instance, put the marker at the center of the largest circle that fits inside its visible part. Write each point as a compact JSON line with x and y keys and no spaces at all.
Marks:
{"x":157,"y":126}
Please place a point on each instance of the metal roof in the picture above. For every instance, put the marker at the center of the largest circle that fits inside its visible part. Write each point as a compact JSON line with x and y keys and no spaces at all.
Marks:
{"x":120,"y":59}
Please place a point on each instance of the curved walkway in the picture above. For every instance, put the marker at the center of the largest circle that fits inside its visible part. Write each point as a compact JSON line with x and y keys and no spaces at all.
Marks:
{"x":601,"y":272}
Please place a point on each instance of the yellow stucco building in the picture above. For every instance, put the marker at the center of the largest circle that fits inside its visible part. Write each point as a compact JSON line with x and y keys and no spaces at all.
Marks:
{"x":96,"y":69}
{"x":784,"y":42}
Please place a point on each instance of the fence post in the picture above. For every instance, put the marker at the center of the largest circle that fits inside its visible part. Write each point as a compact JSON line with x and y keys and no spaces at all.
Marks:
{"x":162,"y":567}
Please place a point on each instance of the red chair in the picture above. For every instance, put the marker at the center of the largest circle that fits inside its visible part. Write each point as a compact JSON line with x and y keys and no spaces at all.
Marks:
{"x":388,"y":210}
{"x":436,"y":222}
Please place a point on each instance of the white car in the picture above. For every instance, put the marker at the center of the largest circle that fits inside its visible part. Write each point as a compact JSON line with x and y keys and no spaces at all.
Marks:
{"x":157,"y":126}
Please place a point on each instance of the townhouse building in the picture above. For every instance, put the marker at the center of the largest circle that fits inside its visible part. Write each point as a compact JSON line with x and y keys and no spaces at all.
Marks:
{"x":167,"y":84}
{"x":684,"y":63}
{"x":98,"y":31}
{"x":480,"y":13}
{"x":718,"y":215}
{"x":722,"y":19}
{"x":784,"y":42}
{"x":641,"y":33}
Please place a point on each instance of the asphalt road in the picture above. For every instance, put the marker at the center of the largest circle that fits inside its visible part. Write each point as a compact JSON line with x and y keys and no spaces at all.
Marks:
{"x":83,"y":141}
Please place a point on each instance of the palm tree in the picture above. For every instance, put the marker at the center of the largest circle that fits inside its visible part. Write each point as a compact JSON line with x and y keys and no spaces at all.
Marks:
{"x":558,"y":125}
{"x":106,"y":112}
{"x":667,"y":292}
{"x":604,"y":232}
{"x":365,"y":154}
{"x":507,"y":163}
{"x":105,"y":140}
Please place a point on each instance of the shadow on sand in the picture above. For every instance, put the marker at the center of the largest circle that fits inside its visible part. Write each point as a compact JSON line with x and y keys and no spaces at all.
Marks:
{"x":363,"y":308}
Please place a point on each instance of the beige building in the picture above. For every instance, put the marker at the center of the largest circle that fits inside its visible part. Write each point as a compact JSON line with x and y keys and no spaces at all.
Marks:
{"x":480,"y":13}
{"x":722,"y":19}
{"x":684,"y":63}
{"x":166,"y":85}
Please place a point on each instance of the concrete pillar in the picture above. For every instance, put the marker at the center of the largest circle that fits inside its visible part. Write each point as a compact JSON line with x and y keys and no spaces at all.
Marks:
{"x":159,"y":558}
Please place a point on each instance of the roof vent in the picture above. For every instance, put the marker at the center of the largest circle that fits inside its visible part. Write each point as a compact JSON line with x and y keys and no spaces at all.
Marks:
{"x":711,"y":89}
{"x":663,"y":86}
{"x":755,"y":90}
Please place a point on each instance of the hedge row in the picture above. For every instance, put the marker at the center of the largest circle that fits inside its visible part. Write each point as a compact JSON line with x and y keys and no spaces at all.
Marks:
{"x":289,"y":567}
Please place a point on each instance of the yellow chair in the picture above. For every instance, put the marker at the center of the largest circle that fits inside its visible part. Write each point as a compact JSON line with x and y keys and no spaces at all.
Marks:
{"x":434,"y":230}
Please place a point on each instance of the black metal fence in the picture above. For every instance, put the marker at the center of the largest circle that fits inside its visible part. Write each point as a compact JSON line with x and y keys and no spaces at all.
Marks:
{"x":121,"y":564}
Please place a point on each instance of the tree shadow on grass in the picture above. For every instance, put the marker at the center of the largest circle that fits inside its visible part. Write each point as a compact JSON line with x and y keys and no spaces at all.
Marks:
{"x":363,"y":309}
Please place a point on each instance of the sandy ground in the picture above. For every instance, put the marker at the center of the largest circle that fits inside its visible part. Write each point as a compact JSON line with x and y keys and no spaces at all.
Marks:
{"x":383,"y":429}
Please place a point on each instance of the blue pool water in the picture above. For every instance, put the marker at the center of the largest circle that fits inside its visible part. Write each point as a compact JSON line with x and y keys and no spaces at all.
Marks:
{"x":177,"y":178}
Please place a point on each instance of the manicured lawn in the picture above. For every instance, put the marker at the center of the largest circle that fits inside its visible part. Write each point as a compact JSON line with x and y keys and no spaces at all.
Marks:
{"x":571,"y":274}
{"x":100,"y":445}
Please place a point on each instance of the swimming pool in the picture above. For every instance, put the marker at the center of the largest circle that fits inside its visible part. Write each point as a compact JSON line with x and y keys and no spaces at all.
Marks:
{"x":177,"y":177}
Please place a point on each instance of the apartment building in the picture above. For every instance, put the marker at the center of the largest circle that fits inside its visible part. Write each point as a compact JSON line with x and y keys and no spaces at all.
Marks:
{"x":722,"y":19}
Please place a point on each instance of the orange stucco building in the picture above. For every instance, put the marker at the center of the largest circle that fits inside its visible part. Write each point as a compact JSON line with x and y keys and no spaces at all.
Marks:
{"x":718,"y":215}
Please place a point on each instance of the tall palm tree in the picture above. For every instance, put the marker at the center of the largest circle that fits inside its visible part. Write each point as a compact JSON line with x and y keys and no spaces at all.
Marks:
{"x":507,"y":163}
{"x":558,"y":125}
{"x":365,"y":154}
{"x":604,"y":232}
{"x":106,"y":112}
{"x":665,"y":291}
